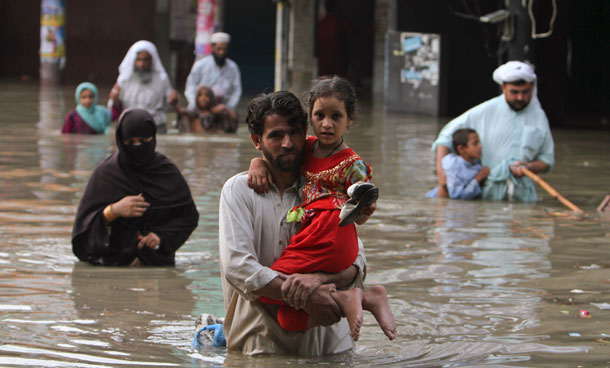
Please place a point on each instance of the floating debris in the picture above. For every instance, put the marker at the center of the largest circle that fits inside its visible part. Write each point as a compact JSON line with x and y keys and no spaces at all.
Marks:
{"x":584,"y":313}
{"x":602,"y":306}
{"x":593,"y":266}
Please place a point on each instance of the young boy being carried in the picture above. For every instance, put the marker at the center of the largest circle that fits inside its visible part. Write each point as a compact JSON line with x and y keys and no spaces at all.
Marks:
{"x":465,"y":174}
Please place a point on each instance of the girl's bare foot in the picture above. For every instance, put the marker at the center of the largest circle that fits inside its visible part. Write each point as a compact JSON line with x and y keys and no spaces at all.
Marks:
{"x":350,"y":302}
{"x":375,"y":300}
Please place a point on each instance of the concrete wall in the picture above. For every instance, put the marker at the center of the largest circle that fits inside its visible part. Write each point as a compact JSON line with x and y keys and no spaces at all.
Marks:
{"x":301,"y":60}
{"x":98,"y":34}
{"x":380,"y":29}
{"x":20,"y":37}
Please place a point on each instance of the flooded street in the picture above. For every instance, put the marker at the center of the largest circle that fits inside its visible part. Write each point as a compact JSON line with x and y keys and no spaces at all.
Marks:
{"x":471,"y":283}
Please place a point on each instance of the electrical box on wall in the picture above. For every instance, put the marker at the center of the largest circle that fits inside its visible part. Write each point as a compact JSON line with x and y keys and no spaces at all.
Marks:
{"x":412,"y":81}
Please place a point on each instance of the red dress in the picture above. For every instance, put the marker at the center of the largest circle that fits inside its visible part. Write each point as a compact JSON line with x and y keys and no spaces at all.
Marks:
{"x":321,"y":245}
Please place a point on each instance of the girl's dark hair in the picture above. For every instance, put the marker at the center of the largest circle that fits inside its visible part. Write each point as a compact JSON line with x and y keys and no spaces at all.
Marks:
{"x":282,"y":103}
{"x":208,"y":91}
{"x":460,"y":137}
{"x":332,"y":85}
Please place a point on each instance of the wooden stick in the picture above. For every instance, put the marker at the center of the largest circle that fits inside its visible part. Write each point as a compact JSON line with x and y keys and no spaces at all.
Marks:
{"x":550,"y":190}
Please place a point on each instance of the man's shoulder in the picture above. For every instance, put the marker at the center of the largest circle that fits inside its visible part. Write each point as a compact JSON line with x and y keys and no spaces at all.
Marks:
{"x":237,"y":181}
{"x":491,"y":103}
{"x":204,"y":61}
{"x":231,"y":64}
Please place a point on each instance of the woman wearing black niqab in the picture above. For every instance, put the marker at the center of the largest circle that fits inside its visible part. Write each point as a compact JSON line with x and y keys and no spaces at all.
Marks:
{"x":137,"y":205}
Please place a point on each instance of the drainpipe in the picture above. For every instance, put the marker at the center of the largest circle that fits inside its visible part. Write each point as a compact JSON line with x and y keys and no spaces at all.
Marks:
{"x":520,"y":46}
{"x":281,"y":44}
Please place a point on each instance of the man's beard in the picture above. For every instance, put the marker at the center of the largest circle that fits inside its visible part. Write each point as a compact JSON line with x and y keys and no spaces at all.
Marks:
{"x":144,"y":76}
{"x":284,"y":164}
{"x":220,"y":60}
{"x":518,"y":105}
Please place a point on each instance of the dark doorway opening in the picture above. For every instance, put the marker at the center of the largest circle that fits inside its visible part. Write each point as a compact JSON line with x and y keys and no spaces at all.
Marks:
{"x":344,"y":43}
{"x":251,"y":25}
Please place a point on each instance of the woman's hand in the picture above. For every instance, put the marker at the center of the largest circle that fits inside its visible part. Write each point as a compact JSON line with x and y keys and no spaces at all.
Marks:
{"x":150,"y":240}
{"x":114,"y":92}
{"x":217,"y":109}
{"x":130,"y":206}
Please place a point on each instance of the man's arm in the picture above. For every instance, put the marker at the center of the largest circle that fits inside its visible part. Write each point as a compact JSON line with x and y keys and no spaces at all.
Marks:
{"x":192,"y":81}
{"x":352,"y":276}
{"x":239,"y":260}
{"x":441,"y":151}
{"x":536,"y":166}
{"x":233,"y":99}
{"x":297,"y":288}
{"x":320,"y":305}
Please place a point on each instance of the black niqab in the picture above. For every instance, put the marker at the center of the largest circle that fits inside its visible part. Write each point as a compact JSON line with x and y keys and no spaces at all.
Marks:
{"x":131,"y":170}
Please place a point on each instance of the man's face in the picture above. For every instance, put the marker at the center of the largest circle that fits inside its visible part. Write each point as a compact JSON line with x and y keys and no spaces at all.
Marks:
{"x":143,"y":61}
{"x":518,"y":96}
{"x":219,"y":51}
{"x":281,"y":143}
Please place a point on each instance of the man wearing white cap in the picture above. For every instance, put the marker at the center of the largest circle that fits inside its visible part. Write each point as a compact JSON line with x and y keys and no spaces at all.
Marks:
{"x":143,"y":83}
{"x":216,"y":71}
{"x":514,"y":132}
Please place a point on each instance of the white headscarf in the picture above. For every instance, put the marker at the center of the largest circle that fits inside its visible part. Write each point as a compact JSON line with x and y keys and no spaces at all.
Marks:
{"x":127,"y":65}
{"x":514,"y":71}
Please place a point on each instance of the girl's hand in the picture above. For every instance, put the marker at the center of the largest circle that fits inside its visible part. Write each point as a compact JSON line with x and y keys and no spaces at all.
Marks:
{"x":218,"y":108}
{"x":130,"y":206}
{"x":259,"y":176}
{"x":367,"y":212}
{"x":150,"y":240}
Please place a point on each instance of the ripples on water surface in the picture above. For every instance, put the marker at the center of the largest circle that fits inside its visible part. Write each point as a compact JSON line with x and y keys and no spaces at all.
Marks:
{"x":471,"y":283}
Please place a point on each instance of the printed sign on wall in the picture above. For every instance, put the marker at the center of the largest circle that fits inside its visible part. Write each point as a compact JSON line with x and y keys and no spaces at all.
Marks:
{"x":52,"y":39}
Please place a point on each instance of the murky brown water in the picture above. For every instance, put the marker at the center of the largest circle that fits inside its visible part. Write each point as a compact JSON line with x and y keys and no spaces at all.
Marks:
{"x":471,"y":283}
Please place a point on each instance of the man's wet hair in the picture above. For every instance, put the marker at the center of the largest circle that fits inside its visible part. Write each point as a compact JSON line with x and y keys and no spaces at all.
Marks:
{"x":282,"y":103}
{"x":460,"y":137}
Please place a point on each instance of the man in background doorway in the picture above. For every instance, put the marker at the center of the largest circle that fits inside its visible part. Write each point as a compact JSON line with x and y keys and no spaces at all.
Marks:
{"x":216,"y":71}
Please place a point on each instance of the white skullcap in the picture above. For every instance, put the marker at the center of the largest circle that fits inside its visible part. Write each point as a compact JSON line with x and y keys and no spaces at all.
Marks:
{"x":220,"y":37}
{"x":514,"y":71}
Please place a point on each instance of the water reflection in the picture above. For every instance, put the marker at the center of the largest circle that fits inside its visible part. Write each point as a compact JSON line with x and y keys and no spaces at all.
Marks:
{"x":471,"y":283}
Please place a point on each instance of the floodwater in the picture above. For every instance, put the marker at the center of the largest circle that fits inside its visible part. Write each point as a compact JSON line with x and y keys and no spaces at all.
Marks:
{"x":471,"y":283}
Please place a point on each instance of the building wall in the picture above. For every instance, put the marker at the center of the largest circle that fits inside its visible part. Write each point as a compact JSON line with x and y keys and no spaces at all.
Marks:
{"x":99,"y":33}
{"x":468,"y":57}
{"x":20,"y":38}
{"x":572,"y":64}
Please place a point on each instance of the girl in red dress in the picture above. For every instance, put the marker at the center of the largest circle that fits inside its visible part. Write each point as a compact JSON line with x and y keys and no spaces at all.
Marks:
{"x":330,"y":167}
